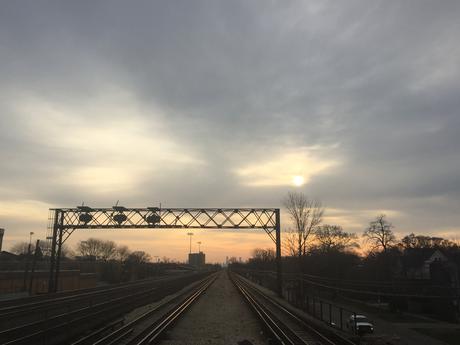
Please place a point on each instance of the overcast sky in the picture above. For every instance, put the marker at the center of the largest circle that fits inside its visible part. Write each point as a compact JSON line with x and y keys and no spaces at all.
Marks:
{"x":223,"y":103}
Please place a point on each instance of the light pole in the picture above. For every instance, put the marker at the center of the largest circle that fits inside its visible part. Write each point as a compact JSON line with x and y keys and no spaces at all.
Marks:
{"x":199,"y":246}
{"x":190,"y":234}
{"x":26,"y":268}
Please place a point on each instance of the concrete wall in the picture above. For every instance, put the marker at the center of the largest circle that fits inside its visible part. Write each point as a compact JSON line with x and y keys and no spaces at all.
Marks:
{"x":13,"y":281}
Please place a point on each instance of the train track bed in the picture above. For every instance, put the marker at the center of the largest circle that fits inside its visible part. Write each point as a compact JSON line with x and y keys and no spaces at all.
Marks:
{"x":30,"y":309}
{"x":168,"y":299}
{"x":55,"y":321}
{"x":284,"y":323}
{"x":220,"y":317}
{"x":27,"y":300}
{"x":146,"y":325}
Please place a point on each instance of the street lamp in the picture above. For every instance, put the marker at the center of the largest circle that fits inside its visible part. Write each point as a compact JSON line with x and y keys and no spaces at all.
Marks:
{"x":199,"y":246}
{"x":190,"y":234}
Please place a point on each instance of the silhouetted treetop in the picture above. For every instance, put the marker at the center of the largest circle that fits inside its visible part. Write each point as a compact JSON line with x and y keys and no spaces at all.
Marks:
{"x":333,"y":238}
{"x":379,"y":234}
{"x":306,"y":215}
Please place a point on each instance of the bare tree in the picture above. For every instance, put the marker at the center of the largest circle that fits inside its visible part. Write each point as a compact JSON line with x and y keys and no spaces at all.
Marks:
{"x":232,"y":260}
{"x":122,"y":253}
{"x":89,"y":248}
{"x":166,"y":260}
{"x":108,"y":250}
{"x":97,"y":249}
{"x":263,"y":254}
{"x":307,"y":215}
{"x":379,"y":234}
{"x":333,"y":238}
{"x":421,"y":241}
{"x":22,"y":248}
{"x":45,"y":247}
{"x":139,"y":257}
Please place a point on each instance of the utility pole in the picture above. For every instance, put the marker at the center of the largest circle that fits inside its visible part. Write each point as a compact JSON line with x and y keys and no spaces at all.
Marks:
{"x":34,"y":263}
{"x":190,"y":234}
{"x":26,"y":269}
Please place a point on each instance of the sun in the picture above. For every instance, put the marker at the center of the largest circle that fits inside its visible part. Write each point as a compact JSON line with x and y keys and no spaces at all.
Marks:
{"x":298,"y":180}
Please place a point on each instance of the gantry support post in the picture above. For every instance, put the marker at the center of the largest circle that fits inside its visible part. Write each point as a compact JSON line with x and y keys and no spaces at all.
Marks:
{"x":53,"y":250}
{"x":58,"y":256}
{"x":279,"y":273}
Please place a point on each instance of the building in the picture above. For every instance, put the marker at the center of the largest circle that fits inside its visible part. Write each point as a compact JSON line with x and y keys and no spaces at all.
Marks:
{"x":419,"y":263}
{"x":197,"y":259}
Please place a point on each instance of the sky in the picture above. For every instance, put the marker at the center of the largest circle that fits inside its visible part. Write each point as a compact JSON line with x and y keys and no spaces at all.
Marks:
{"x":227,"y":104}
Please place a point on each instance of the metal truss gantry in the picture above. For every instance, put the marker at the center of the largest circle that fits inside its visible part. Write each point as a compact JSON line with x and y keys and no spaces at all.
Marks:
{"x":64,"y":221}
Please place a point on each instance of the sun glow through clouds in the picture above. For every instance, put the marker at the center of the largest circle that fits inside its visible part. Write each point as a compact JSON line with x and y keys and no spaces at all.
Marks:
{"x":298,"y":180}
{"x":283,"y":169}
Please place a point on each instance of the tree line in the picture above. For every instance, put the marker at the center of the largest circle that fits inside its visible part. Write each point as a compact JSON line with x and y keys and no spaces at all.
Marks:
{"x":92,"y":249}
{"x":308,"y":234}
{"x":329,"y":250}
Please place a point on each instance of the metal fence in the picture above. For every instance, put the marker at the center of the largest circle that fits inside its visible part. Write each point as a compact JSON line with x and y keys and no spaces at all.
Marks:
{"x":332,"y":314}
{"x":314,"y":302}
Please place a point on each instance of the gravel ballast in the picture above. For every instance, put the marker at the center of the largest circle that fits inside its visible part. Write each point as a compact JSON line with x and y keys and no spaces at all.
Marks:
{"x":219,"y":316}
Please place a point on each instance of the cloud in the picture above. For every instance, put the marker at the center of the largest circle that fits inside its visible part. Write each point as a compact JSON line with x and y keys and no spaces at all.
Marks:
{"x":219,"y":104}
{"x":281,"y":170}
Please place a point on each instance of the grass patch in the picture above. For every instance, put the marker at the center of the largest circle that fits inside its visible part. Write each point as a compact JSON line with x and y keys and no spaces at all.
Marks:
{"x":449,"y":335}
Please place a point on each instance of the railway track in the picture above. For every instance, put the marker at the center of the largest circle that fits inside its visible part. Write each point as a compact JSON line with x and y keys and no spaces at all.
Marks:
{"x":285,"y":327}
{"x":282,"y":325}
{"x":148,"y":327}
{"x":55,"y":321}
{"x":16,"y":302}
{"x":11,"y":309}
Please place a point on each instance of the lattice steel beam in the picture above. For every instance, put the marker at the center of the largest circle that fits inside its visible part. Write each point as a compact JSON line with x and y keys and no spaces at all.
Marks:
{"x":64,"y":221}
{"x":139,"y":218}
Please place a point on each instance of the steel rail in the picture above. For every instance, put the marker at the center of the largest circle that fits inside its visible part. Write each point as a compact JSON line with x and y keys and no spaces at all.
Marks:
{"x":39,"y":328}
{"x":45,"y":313}
{"x":152,"y":333}
{"x":17,"y":303}
{"x":31,"y":332}
{"x":282,"y":333}
{"x":90,"y":338}
{"x":280,"y":309}
{"x":153,"y":330}
{"x":76,"y":295}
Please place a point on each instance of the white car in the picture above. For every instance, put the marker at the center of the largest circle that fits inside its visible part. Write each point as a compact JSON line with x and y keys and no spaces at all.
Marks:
{"x":362,"y":323}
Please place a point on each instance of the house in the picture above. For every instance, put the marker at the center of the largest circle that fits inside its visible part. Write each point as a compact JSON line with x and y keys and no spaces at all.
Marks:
{"x":418,"y":262}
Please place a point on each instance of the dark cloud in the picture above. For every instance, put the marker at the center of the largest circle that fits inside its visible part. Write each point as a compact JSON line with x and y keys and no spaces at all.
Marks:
{"x":232,"y":84}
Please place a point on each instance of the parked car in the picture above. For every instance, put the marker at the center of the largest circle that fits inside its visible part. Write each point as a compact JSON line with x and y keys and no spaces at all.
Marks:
{"x":362,"y":324}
